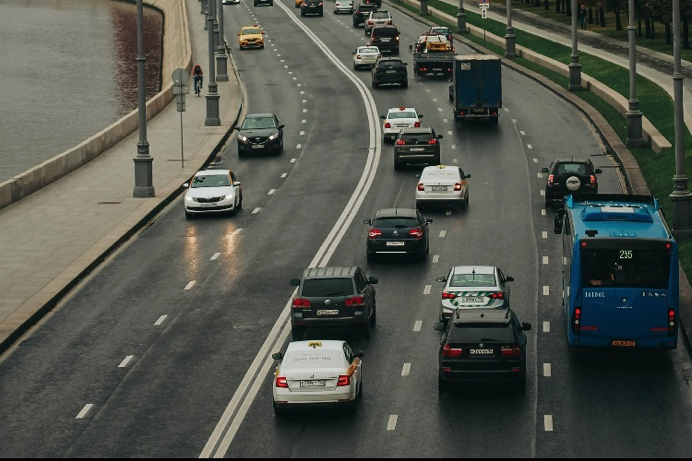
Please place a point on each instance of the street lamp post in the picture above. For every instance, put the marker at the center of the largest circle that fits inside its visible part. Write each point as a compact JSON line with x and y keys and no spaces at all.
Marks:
{"x":681,"y":197}
{"x":203,"y":5}
{"x":221,"y":59}
{"x":634,"y":115}
{"x":212,"y":6}
{"x":205,"y":11}
{"x":424,"y":7}
{"x":212,"y":93}
{"x":461,"y":18}
{"x":574,"y":65}
{"x":510,"y":44}
{"x":143,"y":161}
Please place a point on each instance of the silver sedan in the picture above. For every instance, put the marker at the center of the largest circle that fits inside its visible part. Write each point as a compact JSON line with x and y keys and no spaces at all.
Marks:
{"x":365,"y":56}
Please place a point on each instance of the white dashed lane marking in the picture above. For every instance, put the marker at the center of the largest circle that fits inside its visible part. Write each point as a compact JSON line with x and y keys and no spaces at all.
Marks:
{"x":298,"y":146}
{"x":548,"y":422}
{"x":546,"y":290}
{"x":237,"y":231}
{"x":450,"y":133}
{"x":547,"y":371}
{"x":125,"y":361}
{"x":443,"y":233}
{"x":88,"y":406}
{"x":214,"y":256}
{"x":302,"y":133}
{"x":391,"y":424}
{"x":190,"y":284}
{"x":522,"y":132}
{"x":540,"y":175}
{"x":271,"y":191}
{"x":417,"y":326}
{"x":542,"y":192}
{"x":283,"y":175}
{"x":535,"y":160}
{"x":546,"y":327}
{"x":426,"y":290}
{"x":545,"y":260}
{"x":436,"y":258}
{"x":406,"y":370}
{"x":543,"y":212}
{"x":160,"y":320}
{"x":256,"y":210}
{"x":544,"y":234}
{"x":293,"y":160}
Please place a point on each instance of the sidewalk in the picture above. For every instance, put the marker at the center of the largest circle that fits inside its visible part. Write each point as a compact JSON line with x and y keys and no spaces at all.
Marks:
{"x":54,"y":237}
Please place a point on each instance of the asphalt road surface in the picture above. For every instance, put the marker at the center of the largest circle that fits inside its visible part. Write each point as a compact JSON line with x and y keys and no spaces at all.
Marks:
{"x":198,"y":382}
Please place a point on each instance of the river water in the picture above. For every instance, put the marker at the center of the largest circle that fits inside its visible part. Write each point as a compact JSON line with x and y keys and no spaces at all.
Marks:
{"x":68,"y":70}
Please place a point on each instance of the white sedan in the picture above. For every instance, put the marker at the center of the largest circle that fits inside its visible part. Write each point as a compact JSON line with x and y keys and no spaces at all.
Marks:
{"x":317,"y":373}
{"x":213,"y":191}
{"x":230,"y":2}
{"x":343,"y":6}
{"x":443,"y":184}
{"x":398,"y":118}
{"x":365,"y":56}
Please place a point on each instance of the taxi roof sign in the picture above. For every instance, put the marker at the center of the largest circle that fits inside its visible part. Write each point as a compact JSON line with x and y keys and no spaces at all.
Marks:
{"x":315,"y":344}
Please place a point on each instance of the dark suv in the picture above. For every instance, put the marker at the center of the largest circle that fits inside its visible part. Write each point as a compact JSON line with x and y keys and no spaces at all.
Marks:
{"x":568,"y":177}
{"x":312,"y":7}
{"x":417,"y":145}
{"x":482,"y":345}
{"x":361,"y":13}
{"x":398,"y":231}
{"x":389,"y":70}
{"x":385,"y":38}
{"x":264,"y":2}
{"x":333,"y":297}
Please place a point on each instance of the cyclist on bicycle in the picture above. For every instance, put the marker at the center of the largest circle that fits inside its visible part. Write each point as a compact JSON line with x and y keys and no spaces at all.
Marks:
{"x":198,"y":78}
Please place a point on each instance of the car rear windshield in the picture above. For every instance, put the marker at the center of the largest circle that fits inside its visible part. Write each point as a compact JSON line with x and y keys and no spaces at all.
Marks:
{"x":211,"y":180}
{"x":301,"y":360}
{"x":416,"y":136}
{"x":397,"y":223}
{"x":572,"y":168}
{"x":380,"y":15}
{"x":401,"y":114}
{"x":481,"y":333}
{"x":385,"y":32}
{"x":369,"y":50}
{"x":321,"y":288}
{"x":440,"y":174}
{"x":472,"y":280}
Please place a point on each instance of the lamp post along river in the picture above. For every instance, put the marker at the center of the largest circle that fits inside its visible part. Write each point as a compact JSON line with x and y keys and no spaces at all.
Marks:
{"x":143,"y":162}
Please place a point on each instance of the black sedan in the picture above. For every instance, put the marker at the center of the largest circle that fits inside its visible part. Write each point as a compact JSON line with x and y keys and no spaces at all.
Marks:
{"x":260,"y":133}
{"x":398,"y":231}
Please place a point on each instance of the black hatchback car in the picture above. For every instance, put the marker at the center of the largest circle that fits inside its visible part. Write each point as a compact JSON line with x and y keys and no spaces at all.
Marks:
{"x":417,"y":145}
{"x":260,"y":133}
{"x":398,"y":231}
{"x":385,"y":38}
{"x":361,"y":13}
{"x":312,"y":7}
{"x":568,"y":177}
{"x":482,"y":345}
{"x":330,"y":297}
{"x":389,"y":70}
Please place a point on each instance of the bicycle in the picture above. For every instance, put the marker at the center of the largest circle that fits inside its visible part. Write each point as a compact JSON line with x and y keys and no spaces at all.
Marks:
{"x":198,"y":79}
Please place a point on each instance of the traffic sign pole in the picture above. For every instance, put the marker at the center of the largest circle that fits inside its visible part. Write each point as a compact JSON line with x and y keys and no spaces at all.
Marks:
{"x":180,"y":89}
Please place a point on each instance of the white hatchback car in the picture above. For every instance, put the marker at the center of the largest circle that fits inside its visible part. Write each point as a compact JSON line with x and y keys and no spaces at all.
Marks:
{"x":365,"y":56}
{"x":343,"y":6}
{"x":317,"y":373}
{"x":213,"y":191}
{"x":443,"y":184}
{"x":398,"y":118}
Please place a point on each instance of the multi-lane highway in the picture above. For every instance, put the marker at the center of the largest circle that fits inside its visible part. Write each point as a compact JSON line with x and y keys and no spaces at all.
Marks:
{"x":163,"y":351}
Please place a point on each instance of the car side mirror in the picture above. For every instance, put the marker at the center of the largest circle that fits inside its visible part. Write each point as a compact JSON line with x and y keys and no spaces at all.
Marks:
{"x":410,"y":48}
{"x":439,"y":326}
{"x":263,"y":32}
{"x":441,"y":279}
{"x":420,"y":115}
{"x":509,"y":279}
{"x":358,"y":353}
{"x":428,"y":220}
{"x":368,"y":221}
{"x":236,"y":183}
{"x":282,"y":126}
{"x":295,"y":282}
{"x":598,"y":170}
{"x":238,"y":34}
{"x":468,"y":176}
{"x":557,"y":224}
{"x":353,"y":52}
{"x":372,"y":280}
{"x":186,"y":185}
{"x":544,"y":170}
{"x":439,"y":136}
{"x":277,"y":355}
{"x":383,"y":117}
{"x":525,"y":326}
{"x":237,"y":128}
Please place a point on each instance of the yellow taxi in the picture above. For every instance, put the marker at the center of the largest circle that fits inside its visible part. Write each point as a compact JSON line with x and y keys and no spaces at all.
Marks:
{"x":251,"y":36}
{"x":299,"y":3}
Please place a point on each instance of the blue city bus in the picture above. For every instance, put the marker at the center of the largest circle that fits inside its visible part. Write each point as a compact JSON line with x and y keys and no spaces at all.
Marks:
{"x":620,"y":261}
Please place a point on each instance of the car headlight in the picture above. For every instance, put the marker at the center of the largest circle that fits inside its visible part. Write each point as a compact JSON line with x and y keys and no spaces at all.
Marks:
{"x":242,"y":138}
{"x":189,"y":198}
{"x":229,"y":197}
{"x":273,"y":136}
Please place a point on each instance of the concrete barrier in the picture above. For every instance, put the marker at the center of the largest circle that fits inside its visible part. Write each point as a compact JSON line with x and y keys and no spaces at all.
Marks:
{"x":653,"y":137}
{"x":177,"y":52}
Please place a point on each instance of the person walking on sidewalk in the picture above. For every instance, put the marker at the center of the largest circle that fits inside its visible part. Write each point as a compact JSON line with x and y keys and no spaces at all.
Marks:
{"x":198,"y":78}
{"x":582,"y":16}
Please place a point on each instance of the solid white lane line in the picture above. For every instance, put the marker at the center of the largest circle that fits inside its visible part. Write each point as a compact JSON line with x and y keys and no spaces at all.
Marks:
{"x":214,"y":256}
{"x":548,"y":422}
{"x":436,"y":258}
{"x":406,"y":370}
{"x":544,"y":234}
{"x":160,"y":320}
{"x":284,"y":175}
{"x":237,"y":231}
{"x":546,"y":327}
{"x":547,"y":371}
{"x":417,"y":325}
{"x":391,"y":424}
{"x":256,"y":210}
{"x":190,"y":284}
{"x":84,"y":411}
{"x":545,"y":260}
{"x":271,"y":191}
{"x":125,"y":361}
{"x":443,"y":233}
{"x":426,"y":290}
{"x":546,"y":290}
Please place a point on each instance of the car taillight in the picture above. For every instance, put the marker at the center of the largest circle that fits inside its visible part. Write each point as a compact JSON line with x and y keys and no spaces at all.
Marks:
{"x":416,"y":124}
{"x":449,"y":351}
{"x":499,"y":295}
{"x":319,"y":4}
{"x":551,"y":179}
{"x":421,"y":187}
{"x":400,"y":142}
{"x":593,"y":180}
{"x":457,"y":186}
{"x":576,"y":320}
{"x":447,"y":295}
{"x":511,"y":351}
{"x":379,"y":55}
{"x":370,"y":23}
{"x":416,"y":233}
{"x":344,"y":380}
{"x":281,"y":381}
{"x":461,"y":112}
{"x":387,"y":125}
{"x":672,"y":323}
{"x":389,"y":22}
{"x":432,"y":141}
{"x":354,"y":301}
{"x":357,"y":56}
{"x":301,"y":303}
{"x":374,"y":233}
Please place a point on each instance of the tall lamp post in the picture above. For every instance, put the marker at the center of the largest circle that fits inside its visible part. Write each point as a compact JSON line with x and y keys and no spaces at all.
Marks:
{"x":461,"y":18}
{"x":212,"y":93}
{"x":681,"y":197}
{"x":143,"y":161}
{"x":424,"y":7}
{"x":510,"y":43}
{"x":634,"y":115}
{"x":221,"y":59}
{"x":213,"y":5}
{"x":574,"y":65}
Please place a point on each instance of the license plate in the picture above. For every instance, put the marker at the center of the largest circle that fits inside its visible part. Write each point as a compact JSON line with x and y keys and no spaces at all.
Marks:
{"x":437,"y":69}
{"x":481,"y":352}
{"x":257,"y":146}
{"x":438,"y":188}
{"x":471,"y":299}
{"x":623,"y":343}
{"x":207,"y":205}
{"x":312,"y":383}
{"x":395,"y":244}
{"x":328,"y":312}
{"x":417,"y":149}
{"x":385,"y":39}
{"x":391,"y":72}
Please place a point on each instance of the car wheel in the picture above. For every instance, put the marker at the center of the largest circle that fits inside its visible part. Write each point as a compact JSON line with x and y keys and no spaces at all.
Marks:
{"x":189,"y":215}
{"x":419,"y":205}
{"x":302,"y":13}
{"x":374,"y":84}
{"x":442,"y":385}
{"x":360,"y":388}
{"x":278,"y":411}
{"x":373,"y":316}
{"x":466,"y":202}
{"x":496,"y":120}
{"x":240,"y":202}
{"x":521,"y":386}
{"x":371,"y":257}
{"x":321,"y":13}
{"x":397,"y":166}
{"x":405,"y":84}
{"x":366,"y":330}
{"x":352,"y":408}
{"x":297,"y":334}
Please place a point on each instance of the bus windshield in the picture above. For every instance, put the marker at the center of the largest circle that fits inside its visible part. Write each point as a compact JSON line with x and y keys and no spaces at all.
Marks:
{"x":626,"y":268}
